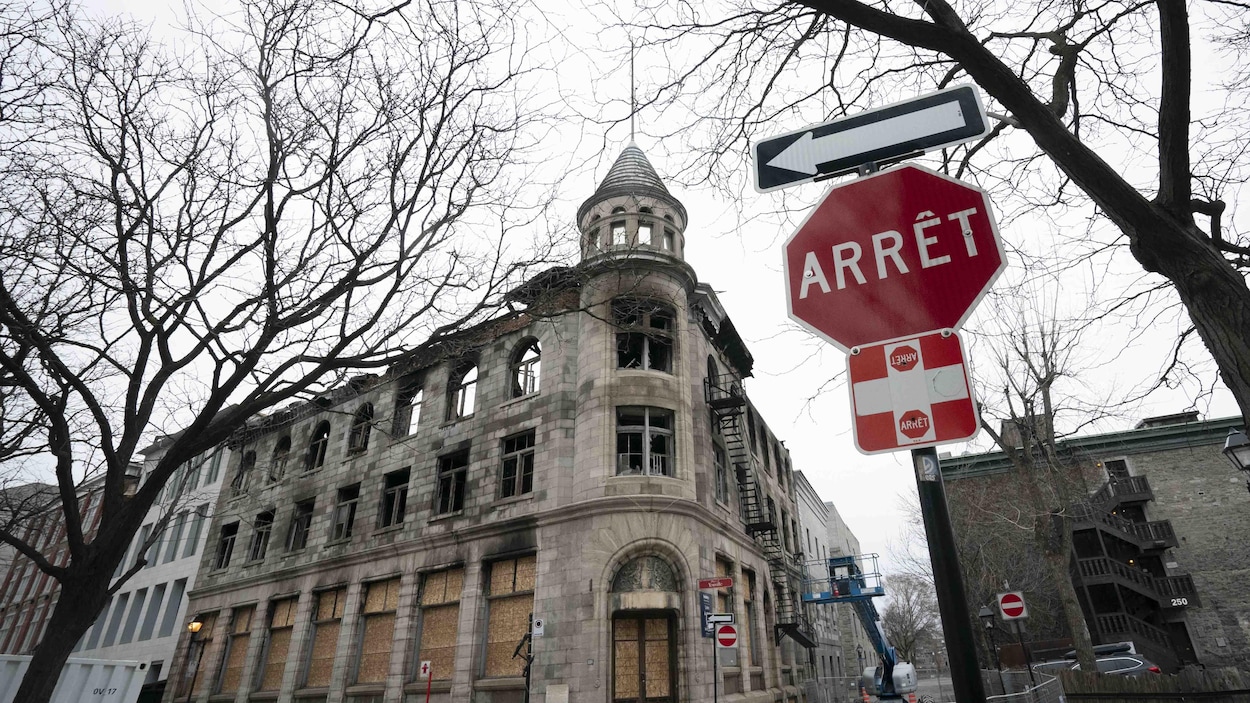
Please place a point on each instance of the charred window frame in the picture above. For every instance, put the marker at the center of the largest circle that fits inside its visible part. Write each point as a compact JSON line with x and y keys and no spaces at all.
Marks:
{"x":644,"y":338}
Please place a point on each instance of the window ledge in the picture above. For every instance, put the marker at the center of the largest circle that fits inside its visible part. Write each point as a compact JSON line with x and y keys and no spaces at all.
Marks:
{"x":447,"y":516}
{"x":501,"y":683}
{"x":630,"y":369}
{"x":520,"y":399}
{"x":253,"y":562}
{"x":659,"y":476}
{"x":366,"y":689}
{"x":501,"y":502}
{"x":389,"y":529}
{"x":337,"y":542}
{"x":456,"y":420}
{"x":263,"y":696}
{"x":320,"y":692}
{"x":435,"y":686}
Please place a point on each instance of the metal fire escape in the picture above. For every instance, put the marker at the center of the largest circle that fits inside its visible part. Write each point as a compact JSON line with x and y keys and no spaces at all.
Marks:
{"x":727,"y":400}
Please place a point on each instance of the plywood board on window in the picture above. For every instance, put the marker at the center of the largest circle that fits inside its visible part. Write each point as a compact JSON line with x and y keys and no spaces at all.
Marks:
{"x":275,"y":661}
{"x":438,"y":638}
{"x":330,"y":604}
{"x":375,"y":648}
{"x":625,"y":669}
{"x":321,"y":661}
{"x":442,"y":587}
{"x":235,"y":661}
{"x":381,"y":595}
{"x":508,"y":622}
{"x":283,"y":613}
{"x":657,"y":668}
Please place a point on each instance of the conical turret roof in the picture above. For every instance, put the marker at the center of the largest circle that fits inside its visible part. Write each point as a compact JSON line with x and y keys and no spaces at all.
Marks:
{"x":632,"y":174}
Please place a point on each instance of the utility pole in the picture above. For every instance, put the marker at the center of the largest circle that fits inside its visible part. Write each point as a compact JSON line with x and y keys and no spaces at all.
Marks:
{"x":948,"y":579}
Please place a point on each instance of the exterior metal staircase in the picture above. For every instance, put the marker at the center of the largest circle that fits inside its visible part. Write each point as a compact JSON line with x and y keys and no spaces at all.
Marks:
{"x":1168,"y":591}
{"x":727,"y":400}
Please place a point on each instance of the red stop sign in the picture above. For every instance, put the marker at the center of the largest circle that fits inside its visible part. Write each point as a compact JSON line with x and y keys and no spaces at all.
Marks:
{"x":914,"y":424}
{"x":904,"y":358}
{"x":898,"y":253}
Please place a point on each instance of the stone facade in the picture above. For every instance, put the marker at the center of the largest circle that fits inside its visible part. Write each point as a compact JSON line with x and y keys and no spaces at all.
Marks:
{"x":343,"y":559}
{"x":1179,"y":481}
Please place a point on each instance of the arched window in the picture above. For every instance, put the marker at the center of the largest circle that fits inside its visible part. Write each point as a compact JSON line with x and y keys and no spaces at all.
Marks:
{"x":462,"y":391}
{"x":362,"y":425}
{"x":241,"y":480}
{"x":281,"y":454}
{"x":647,"y":573}
{"x":525,"y":368}
{"x":316,"y":456}
{"x":408,"y":406}
{"x":645,"y":335}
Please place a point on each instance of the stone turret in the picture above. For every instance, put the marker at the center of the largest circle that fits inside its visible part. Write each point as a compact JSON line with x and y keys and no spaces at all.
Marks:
{"x":630,"y":209}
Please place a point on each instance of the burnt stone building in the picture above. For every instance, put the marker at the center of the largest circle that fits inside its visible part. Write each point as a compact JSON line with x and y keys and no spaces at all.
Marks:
{"x":580,"y":462}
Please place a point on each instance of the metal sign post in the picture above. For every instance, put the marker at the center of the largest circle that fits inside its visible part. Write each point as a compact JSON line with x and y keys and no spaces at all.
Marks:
{"x":947,"y":579}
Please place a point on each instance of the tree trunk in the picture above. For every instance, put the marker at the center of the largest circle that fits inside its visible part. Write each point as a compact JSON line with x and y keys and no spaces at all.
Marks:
{"x":82,"y":597}
{"x":1061,"y":577}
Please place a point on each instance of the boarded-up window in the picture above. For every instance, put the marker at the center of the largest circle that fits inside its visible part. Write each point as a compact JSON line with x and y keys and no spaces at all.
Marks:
{"x":377,"y":630}
{"x":724,"y":596}
{"x":200,"y":642}
{"x":327,"y":616}
{"x":749,"y":646}
{"x":510,"y":601}
{"x":281,"y":623}
{"x":440,"y":616}
{"x":240,"y":636}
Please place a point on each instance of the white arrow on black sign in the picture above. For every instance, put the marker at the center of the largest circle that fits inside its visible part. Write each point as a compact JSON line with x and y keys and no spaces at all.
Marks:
{"x":932,"y":121}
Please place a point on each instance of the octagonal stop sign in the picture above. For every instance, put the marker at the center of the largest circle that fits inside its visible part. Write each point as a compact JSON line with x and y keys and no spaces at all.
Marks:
{"x":894,"y":254}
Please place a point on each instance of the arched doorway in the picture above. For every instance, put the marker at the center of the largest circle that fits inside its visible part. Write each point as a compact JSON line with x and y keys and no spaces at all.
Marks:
{"x":644,"y":634}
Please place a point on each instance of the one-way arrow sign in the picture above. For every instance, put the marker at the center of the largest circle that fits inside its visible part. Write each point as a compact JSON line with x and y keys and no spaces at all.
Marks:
{"x":932,"y":121}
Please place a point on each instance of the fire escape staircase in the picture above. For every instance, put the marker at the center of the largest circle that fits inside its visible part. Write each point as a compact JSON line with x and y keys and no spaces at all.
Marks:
{"x":727,"y":400}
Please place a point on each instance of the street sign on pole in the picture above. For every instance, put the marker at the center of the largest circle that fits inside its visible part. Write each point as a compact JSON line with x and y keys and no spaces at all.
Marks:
{"x":900,"y":253}
{"x":929,"y":122}
{"x":726,"y":636}
{"x":705,"y":609}
{"x":719,"y":618}
{"x":1011,"y":606}
{"x":425,"y":669}
{"x":911,"y":393}
{"x":718,"y":582}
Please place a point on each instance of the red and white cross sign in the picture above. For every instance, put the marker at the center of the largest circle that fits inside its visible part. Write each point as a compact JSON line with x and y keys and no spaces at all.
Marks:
{"x":911,"y":393}
{"x":425,"y":669}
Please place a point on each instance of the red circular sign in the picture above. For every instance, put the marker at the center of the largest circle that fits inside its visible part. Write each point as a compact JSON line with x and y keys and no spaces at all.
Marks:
{"x":727,"y":636}
{"x":1012,"y":605}
{"x":898,"y":253}
{"x":914,"y":424}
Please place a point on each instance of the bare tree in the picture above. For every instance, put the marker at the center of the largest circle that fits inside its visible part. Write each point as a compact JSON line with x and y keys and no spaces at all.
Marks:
{"x":910,"y":620}
{"x":192,"y":237}
{"x":1097,"y":106}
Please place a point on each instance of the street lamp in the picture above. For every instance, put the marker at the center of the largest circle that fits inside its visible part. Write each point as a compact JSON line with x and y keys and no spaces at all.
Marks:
{"x":1237,"y":449}
{"x":193,"y":628}
{"x":986,"y":614}
{"x":859,"y":652}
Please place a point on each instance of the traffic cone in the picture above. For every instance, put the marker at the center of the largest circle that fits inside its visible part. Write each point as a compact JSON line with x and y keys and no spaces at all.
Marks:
{"x":865,"y":692}
{"x":911,"y":697}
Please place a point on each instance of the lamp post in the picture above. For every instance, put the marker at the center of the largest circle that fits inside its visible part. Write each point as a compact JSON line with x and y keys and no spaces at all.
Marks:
{"x":193,"y":628}
{"x":859,"y":652}
{"x":1237,"y":449}
{"x":986,"y":614}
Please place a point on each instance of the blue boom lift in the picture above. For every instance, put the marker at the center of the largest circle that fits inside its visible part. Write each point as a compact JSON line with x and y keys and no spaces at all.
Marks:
{"x":850,"y":583}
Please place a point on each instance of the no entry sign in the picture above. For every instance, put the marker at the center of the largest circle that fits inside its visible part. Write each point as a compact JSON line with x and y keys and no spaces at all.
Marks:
{"x":1011,"y":605}
{"x":911,"y":393}
{"x":726,"y":636}
{"x":899,"y":253}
